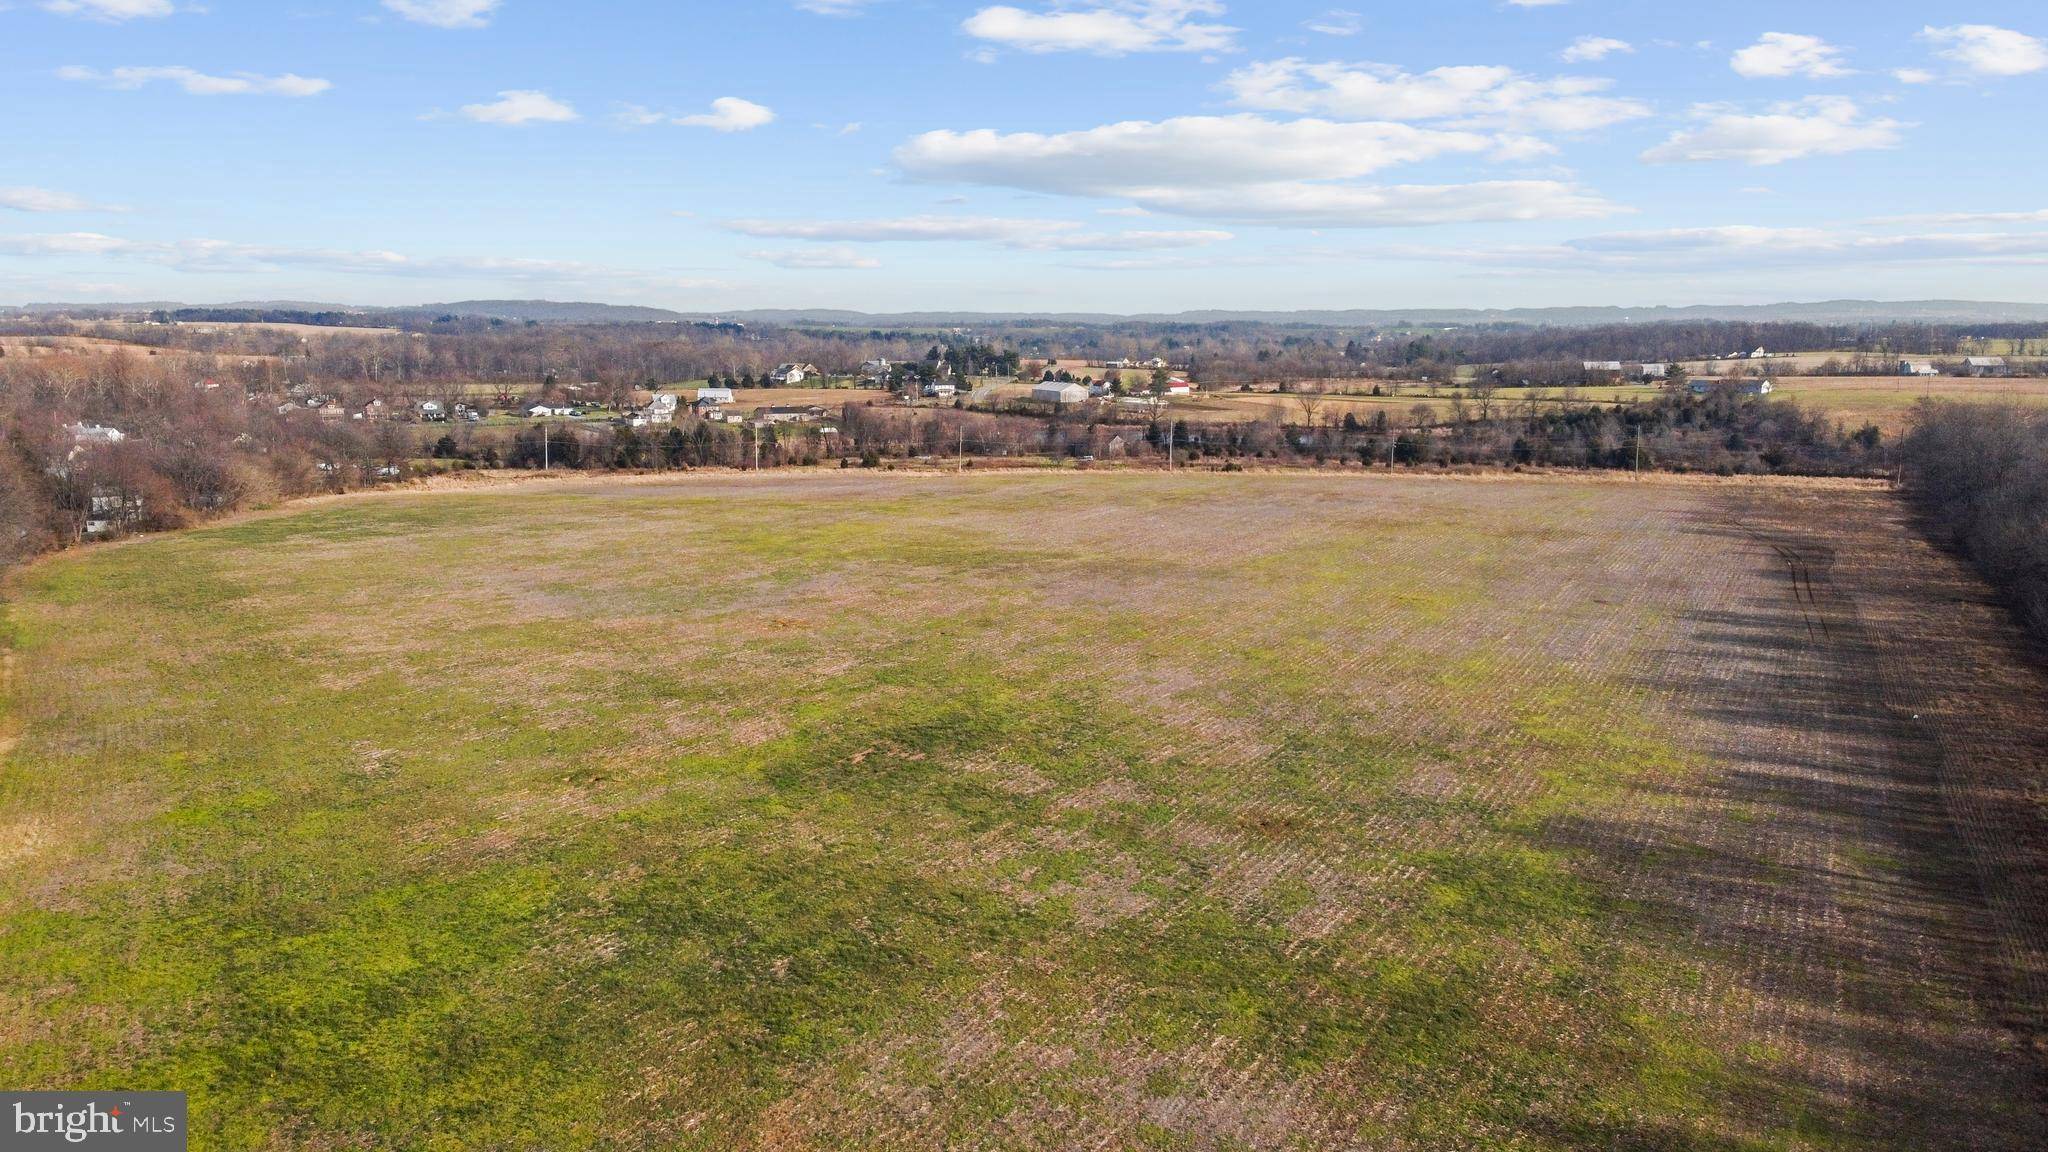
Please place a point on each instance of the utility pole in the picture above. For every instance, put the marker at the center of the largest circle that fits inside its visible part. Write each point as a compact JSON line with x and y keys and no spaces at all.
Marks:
{"x":543,"y":446}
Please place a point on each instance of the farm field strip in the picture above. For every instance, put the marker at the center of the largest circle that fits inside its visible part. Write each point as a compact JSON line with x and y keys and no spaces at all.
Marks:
{"x":1054,"y":811}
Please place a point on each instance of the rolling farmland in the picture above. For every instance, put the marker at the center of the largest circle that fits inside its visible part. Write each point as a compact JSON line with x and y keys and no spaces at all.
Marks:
{"x":1888,"y":401}
{"x":1083,"y":811}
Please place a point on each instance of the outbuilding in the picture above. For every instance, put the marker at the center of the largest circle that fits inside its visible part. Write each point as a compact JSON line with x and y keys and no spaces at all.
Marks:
{"x":1054,"y":392}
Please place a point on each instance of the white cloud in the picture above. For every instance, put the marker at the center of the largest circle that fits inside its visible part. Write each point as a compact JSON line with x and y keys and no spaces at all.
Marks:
{"x":226,"y":256}
{"x":1468,"y":96}
{"x":111,"y":11}
{"x":1789,"y":54}
{"x":1988,"y":49}
{"x":1913,"y":76}
{"x":816,"y":259}
{"x":198,"y":83}
{"x":1186,"y":150}
{"x":1748,"y":243}
{"x":1246,"y":168}
{"x":1397,"y":206}
{"x":1817,"y":126}
{"x":1742,"y":246}
{"x":2035,"y":216}
{"x":521,"y":106}
{"x":1021,"y":234}
{"x":1108,"y":28}
{"x":22,"y":199}
{"x":446,"y":13}
{"x":730,"y":114}
{"x":1336,"y":22}
{"x":1587,"y":48}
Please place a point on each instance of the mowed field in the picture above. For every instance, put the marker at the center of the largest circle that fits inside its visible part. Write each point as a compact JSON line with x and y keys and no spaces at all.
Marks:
{"x":1888,"y":402}
{"x":830,"y":811}
{"x":1850,"y":400}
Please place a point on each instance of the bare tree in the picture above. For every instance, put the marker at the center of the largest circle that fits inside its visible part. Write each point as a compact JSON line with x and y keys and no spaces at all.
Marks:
{"x":1310,"y":399}
{"x":1484,"y":391}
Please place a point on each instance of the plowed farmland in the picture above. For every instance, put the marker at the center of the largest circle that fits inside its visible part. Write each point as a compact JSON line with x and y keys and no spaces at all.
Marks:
{"x":1039,"y":812}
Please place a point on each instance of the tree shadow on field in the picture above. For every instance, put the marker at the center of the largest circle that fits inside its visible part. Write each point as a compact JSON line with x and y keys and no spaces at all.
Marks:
{"x":1815,"y":863}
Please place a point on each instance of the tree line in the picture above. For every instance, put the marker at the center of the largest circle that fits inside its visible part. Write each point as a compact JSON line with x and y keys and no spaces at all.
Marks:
{"x":1980,"y":471}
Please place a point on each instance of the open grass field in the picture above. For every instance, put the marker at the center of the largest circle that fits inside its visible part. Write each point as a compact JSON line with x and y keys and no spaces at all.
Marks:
{"x":829,"y":811}
{"x":1851,"y":400}
{"x":1888,"y":401}
{"x":748,"y":399}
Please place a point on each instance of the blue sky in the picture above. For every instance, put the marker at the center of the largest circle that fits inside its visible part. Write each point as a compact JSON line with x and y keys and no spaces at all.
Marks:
{"x":1112,"y":155}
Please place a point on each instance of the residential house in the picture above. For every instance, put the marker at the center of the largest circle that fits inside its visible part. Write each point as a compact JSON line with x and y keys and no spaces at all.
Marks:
{"x":432,"y":412}
{"x":940,"y":391}
{"x":1758,"y":388}
{"x":546,"y":411}
{"x":1179,"y":387}
{"x":84,"y":435}
{"x":109,"y":509}
{"x":876,"y":371}
{"x":661,"y":409}
{"x":1918,"y":368}
{"x":714,"y":395}
{"x":788,"y":375}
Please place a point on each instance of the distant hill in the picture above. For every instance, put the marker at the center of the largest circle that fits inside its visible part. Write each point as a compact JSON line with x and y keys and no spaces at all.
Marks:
{"x":582,"y":312}
{"x":551,"y":312}
{"x":1823,"y":312}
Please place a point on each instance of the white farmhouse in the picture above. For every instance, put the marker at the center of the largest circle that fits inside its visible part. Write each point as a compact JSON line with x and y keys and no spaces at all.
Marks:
{"x":786,"y":375}
{"x":714,"y":395}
